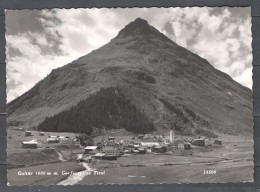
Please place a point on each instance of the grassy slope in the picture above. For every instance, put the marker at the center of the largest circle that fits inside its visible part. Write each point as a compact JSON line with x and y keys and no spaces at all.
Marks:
{"x":31,"y":158}
{"x":171,"y":174}
{"x":15,"y":179}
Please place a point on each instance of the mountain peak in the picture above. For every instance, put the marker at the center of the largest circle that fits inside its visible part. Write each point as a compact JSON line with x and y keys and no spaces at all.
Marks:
{"x":137,"y":27}
{"x":140,"y":21}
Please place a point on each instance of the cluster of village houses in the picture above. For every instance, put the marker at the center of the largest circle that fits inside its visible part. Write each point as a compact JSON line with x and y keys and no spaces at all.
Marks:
{"x":116,"y":146}
{"x":34,"y":143}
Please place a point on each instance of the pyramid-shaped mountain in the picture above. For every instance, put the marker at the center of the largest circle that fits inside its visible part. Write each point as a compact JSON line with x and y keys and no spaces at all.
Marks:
{"x":140,"y":81}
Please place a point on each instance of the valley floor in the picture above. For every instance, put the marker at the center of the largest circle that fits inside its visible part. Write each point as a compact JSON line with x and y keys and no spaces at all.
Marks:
{"x":228,"y":172}
{"x":231,"y":162}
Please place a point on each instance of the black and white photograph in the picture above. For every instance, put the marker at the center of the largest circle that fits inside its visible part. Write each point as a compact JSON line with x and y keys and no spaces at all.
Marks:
{"x":129,"y":96}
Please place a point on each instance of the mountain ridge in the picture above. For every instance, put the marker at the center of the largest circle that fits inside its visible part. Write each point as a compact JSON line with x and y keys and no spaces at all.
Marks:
{"x":151,"y":69}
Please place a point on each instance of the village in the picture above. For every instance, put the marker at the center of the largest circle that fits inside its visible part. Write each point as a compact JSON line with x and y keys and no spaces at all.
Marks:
{"x":126,"y":157}
{"x":112,"y":147}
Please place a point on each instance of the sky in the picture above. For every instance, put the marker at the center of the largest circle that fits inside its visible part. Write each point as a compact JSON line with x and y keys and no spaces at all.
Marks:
{"x":38,"y":41}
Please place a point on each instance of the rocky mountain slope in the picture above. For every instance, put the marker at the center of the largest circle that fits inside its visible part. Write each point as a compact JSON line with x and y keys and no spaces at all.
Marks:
{"x":172,"y":87}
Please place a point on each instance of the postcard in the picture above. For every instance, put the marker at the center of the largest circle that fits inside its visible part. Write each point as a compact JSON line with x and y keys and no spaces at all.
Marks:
{"x":129,"y":96}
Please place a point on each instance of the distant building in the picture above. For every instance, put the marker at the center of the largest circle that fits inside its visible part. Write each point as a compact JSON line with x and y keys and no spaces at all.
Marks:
{"x":100,"y":145}
{"x":53,"y":136}
{"x":207,"y":142}
{"x":167,"y":141}
{"x":127,"y":151}
{"x":53,"y":140}
{"x":187,"y":145}
{"x":125,"y":144}
{"x":140,"y":136}
{"x":147,"y":136}
{"x":149,"y":144}
{"x":158,"y":136}
{"x":112,"y":144}
{"x":111,"y":151}
{"x":76,"y":142}
{"x":136,"y":145}
{"x":218,"y":142}
{"x":149,"y":149}
{"x":189,"y":139}
{"x":111,"y":138}
{"x":184,"y":145}
{"x":28,"y":133}
{"x":199,"y":142}
{"x":159,"y":149}
{"x":141,"y":150}
{"x":130,"y":146}
{"x":64,"y":139}
{"x":171,"y":136}
{"x":30,"y":144}
{"x":91,"y":149}
{"x":136,"y":151}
